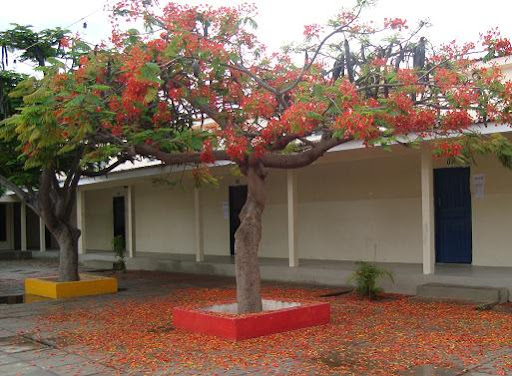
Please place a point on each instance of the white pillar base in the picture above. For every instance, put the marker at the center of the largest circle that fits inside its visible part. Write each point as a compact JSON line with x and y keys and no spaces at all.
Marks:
{"x":291,"y":185}
{"x":80,"y":220}
{"x":198,"y":226}
{"x":23,"y":227}
{"x":42,"y":235}
{"x":427,"y":210}
{"x":130,"y":233}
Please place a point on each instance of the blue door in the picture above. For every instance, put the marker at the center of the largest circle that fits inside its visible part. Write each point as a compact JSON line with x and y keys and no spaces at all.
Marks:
{"x":452,"y":198}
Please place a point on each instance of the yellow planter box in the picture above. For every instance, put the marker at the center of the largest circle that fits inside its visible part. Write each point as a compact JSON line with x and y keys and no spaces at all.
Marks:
{"x":88,"y":285}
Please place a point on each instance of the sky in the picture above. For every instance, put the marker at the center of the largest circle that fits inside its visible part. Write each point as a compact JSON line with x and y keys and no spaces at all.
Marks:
{"x":281,"y":21}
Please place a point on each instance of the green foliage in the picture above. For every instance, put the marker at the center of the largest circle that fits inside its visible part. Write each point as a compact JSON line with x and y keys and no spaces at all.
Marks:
{"x":8,"y":81}
{"x":366,"y":278}
{"x":150,"y":72}
{"x":33,"y":127}
{"x":11,"y":163}
{"x":26,"y":105}
{"x":495,"y":144}
{"x":34,"y":46}
{"x":474,"y":144}
{"x":119,"y":249}
{"x":118,"y":246}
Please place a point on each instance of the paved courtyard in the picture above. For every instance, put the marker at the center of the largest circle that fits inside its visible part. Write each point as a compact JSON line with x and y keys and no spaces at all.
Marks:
{"x":131,"y":333}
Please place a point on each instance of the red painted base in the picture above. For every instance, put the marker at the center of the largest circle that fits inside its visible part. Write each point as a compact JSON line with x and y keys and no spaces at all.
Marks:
{"x":241,"y":327}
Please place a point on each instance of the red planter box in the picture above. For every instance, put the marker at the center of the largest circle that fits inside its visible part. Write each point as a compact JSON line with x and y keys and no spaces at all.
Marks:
{"x":231,"y":326}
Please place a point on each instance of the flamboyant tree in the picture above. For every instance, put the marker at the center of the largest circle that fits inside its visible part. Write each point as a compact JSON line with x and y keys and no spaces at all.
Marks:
{"x":8,"y":82}
{"x":40,"y":161}
{"x":150,"y":93}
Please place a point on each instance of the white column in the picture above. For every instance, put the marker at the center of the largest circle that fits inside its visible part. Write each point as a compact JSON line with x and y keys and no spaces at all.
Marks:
{"x":130,"y":224}
{"x":198,"y":225}
{"x":23,"y":227}
{"x":427,"y":210}
{"x":80,"y":220}
{"x":42,"y":235}
{"x":291,"y":185}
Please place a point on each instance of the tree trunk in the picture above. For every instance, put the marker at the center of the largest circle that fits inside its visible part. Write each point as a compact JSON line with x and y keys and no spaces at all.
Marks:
{"x":247,"y":241}
{"x":67,"y":237}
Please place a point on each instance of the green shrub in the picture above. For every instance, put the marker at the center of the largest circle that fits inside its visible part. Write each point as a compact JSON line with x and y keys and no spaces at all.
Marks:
{"x":366,"y":278}
{"x":119,"y":249}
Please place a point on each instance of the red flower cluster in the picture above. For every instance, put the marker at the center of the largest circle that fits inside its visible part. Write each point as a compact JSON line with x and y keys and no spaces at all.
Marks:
{"x":259,"y":146}
{"x":395,"y":23}
{"x":408,"y":77}
{"x":496,"y":43}
{"x":415,"y":122}
{"x":162,"y":115}
{"x":349,"y":96}
{"x":401,"y":102}
{"x":259,"y":104}
{"x":454,"y":51}
{"x":379,"y":62}
{"x":490,"y":75}
{"x":445,"y":79}
{"x":206,"y":154}
{"x":236,"y":146}
{"x":312,"y":31}
{"x":174,"y":93}
{"x":64,"y":42}
{"x":449,"y":149}
{"x":273,"y":130}
{"x":355,"y":125}
{"x":456,"y":120}
{"x":300,"y":117}
{"x":465,"y":97}
{"x":134,"y":96}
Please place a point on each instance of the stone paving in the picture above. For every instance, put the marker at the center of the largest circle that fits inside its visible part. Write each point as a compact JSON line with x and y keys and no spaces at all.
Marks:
{"x":26,"y":351}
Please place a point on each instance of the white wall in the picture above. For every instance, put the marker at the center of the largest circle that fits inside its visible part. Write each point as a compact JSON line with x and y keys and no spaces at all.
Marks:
{"x":492,"y":215}
{"x":356,"y":209}
{"x":164,"y":217}
{"x":216,"y":224}
{"x":365,"y":209}
{"x":99,"y":218}
{"x":354,"y":205}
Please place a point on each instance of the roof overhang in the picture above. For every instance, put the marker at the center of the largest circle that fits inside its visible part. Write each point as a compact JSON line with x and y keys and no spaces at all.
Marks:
{"x":152,"y":168}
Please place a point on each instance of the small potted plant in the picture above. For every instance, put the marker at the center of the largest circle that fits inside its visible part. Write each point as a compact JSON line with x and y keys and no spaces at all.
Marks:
{"x":119,"y":249}
{"x":366,"y":278}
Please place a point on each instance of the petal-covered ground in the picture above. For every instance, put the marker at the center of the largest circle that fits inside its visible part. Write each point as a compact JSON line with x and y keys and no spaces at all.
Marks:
{"x":388,"y":337}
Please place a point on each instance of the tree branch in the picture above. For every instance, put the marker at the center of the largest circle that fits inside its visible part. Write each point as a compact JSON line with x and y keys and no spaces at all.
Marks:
{"x":308,"y":65}
{"x":301,"y":159}
{"x":106,"y":170}
{"x":177,"y":159}
{"x":20,"y":193}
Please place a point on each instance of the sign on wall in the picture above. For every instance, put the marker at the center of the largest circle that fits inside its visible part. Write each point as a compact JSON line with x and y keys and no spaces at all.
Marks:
{"x":225,"y":209}
{"x":478,"y":186}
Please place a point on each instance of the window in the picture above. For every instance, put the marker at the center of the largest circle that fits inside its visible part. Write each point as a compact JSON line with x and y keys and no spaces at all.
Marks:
{"x":3,"y":223}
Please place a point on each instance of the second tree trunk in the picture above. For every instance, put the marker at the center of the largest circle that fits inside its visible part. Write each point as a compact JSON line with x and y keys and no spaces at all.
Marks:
{"x":67,"y":237}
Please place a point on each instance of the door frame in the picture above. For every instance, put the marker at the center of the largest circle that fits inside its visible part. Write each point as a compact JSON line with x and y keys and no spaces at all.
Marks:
{"x":122,"y":199}
{"x":439,"y":255}
{"x":234,"y":221}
